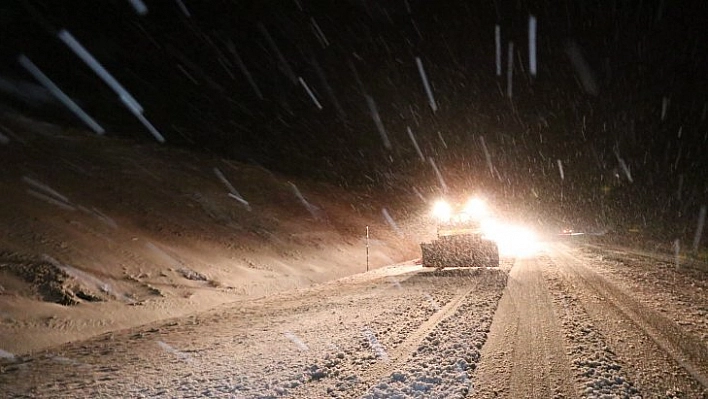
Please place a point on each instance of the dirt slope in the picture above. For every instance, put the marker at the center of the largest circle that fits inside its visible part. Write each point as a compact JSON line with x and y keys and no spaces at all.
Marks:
{"x":98,"y":234}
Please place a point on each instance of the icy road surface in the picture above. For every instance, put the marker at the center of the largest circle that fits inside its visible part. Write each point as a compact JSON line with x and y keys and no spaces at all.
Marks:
{"x":573,"y":321}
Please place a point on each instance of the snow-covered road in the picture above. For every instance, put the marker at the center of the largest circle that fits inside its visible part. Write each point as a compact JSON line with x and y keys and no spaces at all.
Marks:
{"x":572,"y":321}
{"x":523,"y":358}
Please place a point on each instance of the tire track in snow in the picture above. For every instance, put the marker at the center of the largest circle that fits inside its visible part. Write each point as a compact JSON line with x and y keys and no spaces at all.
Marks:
{"x":522,"y":357}
{"x":399,"y":356}
{"x":681,"y":347}
{"x":596,"y":365}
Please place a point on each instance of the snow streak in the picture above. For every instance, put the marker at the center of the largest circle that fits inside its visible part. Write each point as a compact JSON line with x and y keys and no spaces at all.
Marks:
{"x":312,"y":95}
{"x":173,"y":351}
{"x":123,"y":94}
{"x":83,"y":276}
{"x":532,"y":45}
{"x":318,"y":32}
{"x":164,"y":255}
{"x":438,"y":174}
{"x":391,"y":222}
{"x":82,"y":53}
{"x":59,"y":94}
{"x":149,"y":126}
{"x":328,"y":89}
{"x":442,"y":140}
{"x":664,"y":108}
{"x":284,"y":66}
{"x":625,"y":169}
{"x":487,"y":155}
{"x":377,"y":120}
{"x":314,"y":211}
{"x":428,"y":90}
{"x":104,"y":218}
{"x":232,"y":191}
{"x":418,"y":193}
{"x":510,"y":70}
{"x":699,"y":228}
{"x":7,"y":355}
{"x":374,"y":343}
{"x":184,"y":9}
{"x":415,"y":143}
{"x":139,"y":7}
{"x":45,"y":188}
{"x":497,"y":46}
{"x":46,"y":198}
{"x":432,"y":302}
{"x":296,"y":340}
{"x":582,"y":68}
{"x":230,"y":46}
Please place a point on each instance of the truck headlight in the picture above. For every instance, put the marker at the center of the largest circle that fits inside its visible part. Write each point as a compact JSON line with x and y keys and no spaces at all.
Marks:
{"x":442,"y":211}
{"x":475,"y":208}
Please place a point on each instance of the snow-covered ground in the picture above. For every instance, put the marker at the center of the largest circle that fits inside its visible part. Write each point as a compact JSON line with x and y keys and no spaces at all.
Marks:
{"x":406,"y":335}
{"x":100,"y":234}
{"x":559,"y":324}
{"x":619,"y":335}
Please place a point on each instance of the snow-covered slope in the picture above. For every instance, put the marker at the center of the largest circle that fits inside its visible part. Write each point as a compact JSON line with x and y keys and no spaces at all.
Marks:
{"x":98,"y":233}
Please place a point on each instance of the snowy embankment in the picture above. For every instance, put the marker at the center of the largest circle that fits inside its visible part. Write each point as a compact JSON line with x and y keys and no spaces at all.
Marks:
{"x":99,"y":234}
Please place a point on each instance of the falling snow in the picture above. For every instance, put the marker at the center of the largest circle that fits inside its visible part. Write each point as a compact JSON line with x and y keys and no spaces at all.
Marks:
{"x":58,"y":93}
{"x":332,"y":118}
{"x":426,"y":84}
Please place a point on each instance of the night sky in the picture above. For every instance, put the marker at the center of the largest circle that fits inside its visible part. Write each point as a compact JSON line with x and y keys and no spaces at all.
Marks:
{"x":612,"y":127}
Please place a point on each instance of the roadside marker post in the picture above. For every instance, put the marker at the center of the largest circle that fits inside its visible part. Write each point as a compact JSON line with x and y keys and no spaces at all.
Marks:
{"x":367,"y":248}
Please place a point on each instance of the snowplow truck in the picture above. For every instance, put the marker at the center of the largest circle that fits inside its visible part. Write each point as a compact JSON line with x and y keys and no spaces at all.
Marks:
{"x":460,"y":245}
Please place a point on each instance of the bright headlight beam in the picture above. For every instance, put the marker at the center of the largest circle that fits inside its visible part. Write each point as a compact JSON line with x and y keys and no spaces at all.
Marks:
{"x":442,"y":211}
{"x":516,"y":241}
{"x":475,"y":208}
